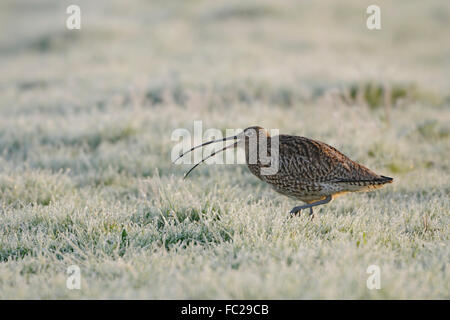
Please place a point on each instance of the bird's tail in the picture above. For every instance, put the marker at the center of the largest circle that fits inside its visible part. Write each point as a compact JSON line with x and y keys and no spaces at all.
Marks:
{"x":385,"y":179}
{"x":363,"y":182}
{"x":362,"y":185}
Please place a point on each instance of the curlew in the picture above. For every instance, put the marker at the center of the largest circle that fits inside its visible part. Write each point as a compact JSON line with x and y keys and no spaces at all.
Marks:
{"x":308,"y":170}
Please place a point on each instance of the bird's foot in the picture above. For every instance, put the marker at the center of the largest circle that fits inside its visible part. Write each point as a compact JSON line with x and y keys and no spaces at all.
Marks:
{"x":311,"y":205}
{"x":295,"y":212}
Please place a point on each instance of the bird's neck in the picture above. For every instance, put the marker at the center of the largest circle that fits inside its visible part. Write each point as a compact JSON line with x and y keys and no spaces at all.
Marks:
{"x":254,"y":153}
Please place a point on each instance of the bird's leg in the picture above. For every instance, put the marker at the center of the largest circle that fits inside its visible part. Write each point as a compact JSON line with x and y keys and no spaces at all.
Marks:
{"x":311,"y":213}
{"x":310,"y":205}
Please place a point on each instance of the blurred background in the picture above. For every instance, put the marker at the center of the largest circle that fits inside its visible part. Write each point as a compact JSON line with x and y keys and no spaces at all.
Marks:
{"x":178,"y":61}
{"x":86,"y":118}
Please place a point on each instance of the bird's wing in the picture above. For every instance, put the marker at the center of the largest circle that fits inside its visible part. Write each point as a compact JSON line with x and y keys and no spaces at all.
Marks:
{"x":316,"y":161}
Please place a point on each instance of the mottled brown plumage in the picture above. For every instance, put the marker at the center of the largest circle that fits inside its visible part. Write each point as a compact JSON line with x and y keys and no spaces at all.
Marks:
{"x":308,"y":170}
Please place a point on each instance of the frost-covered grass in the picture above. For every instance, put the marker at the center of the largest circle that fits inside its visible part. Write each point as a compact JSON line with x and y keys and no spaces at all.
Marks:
{"x":85,"y":139}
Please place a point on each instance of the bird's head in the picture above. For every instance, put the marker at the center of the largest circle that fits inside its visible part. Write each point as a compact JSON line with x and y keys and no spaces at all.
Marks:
{"x":254,"y":133}
{"x":247,"y":136}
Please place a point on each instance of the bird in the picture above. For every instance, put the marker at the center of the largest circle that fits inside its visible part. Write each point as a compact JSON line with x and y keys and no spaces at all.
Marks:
{"x":307,"y":170}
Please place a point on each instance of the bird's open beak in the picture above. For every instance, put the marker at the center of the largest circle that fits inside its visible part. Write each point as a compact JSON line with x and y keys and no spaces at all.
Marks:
{"x":212,"y":154}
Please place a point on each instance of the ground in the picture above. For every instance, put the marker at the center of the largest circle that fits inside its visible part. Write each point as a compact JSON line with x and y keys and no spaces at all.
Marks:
{"x":86,"y":177}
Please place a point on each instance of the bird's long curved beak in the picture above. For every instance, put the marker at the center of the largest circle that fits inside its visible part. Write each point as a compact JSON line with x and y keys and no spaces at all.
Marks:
{"x":204,"y":144}
{"x":211,"y":155}
{"x":233,"y":145}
